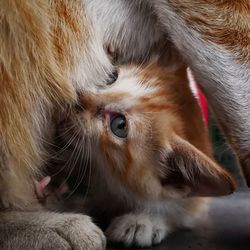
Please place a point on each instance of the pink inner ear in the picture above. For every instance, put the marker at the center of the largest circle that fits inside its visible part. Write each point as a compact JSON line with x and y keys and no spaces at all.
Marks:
{"x":41,"y":185}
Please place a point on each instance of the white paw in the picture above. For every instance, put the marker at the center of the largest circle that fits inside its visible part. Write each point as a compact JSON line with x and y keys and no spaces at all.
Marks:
{"x":137,"y":229}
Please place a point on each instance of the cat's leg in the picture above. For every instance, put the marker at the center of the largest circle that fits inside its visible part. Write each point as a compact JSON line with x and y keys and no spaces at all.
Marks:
{"x":138,"y":229}
{"x":151,"y":226}
{"x":212,"y":37}
{"x":47,"y":230}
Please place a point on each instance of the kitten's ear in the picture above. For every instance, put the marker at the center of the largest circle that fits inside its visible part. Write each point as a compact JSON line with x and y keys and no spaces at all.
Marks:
{"x":189,"y":172}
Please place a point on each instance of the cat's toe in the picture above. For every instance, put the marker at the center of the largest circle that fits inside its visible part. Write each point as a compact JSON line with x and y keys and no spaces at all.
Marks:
{"x":81,"y":232}
{"x":137,"y":229}
{"x":149,"y":231}
{"x":50,"y":231}
{"x":158,"y":235}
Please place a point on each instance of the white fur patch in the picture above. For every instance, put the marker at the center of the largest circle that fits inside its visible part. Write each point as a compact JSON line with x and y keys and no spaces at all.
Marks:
{"x":129,"y":82}
{"x":138,"y":229}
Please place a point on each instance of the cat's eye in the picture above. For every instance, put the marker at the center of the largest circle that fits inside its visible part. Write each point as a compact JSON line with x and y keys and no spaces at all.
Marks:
{"x":118,"y":126}
{"x":112,"y":77}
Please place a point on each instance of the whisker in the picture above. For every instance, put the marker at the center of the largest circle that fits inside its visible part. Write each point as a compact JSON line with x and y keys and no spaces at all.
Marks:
{"x":81,"y":172}
{"x":69,"y":142}
{"x":84,"y":166}
{"x":90,"y":173}
{"x":67,"y":162}
{"x":75,"y":156}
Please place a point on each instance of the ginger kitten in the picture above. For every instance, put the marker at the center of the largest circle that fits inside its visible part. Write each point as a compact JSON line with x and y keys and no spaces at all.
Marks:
{"x":140,"y":153}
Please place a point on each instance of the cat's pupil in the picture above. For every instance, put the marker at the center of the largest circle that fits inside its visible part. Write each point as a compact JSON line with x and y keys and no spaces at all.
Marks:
{"x":122,"y":124}
{"x":118,"y":126}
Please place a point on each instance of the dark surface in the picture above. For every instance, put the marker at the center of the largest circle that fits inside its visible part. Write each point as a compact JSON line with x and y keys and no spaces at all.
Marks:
{"x":228,"y":227}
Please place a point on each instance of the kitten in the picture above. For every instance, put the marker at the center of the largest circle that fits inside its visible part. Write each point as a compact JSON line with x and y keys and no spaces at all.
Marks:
{"x":147,"y":149}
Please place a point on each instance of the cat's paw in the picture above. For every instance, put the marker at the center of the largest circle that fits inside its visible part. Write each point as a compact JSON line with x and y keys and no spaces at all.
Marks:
{"x":137,"y":229}
{"x":79,"y":231}
{"x":50,"y":231}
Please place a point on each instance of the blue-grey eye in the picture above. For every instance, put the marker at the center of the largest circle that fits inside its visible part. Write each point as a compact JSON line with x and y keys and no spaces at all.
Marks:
{"x":112,"y":77}
{"x":118,"y":126}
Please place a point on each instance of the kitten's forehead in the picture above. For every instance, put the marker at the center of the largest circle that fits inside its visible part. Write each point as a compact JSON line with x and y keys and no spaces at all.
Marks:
{"x":127,"y":92}
{"x":131,"y":83}
{"x":135,"y":91}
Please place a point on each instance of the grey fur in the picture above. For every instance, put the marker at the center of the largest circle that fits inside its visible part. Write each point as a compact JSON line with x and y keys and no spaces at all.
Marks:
{"x":224,"y":79}
{"x":49,"y":231}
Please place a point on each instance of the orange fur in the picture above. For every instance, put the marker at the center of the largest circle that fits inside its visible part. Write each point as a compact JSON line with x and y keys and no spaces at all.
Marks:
{"x":222,"y":22}
{"x":42,"y":43}
{"x":163,"y":119}
{"x":164,"y":156}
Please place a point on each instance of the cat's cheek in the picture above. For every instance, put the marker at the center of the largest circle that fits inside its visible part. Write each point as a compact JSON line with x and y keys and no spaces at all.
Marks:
{"x":155,"y":190}
{"x":150,"y":187}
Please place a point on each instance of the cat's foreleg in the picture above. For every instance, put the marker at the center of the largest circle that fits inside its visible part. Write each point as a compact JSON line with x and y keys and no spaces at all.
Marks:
{"x":47,"y":230}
